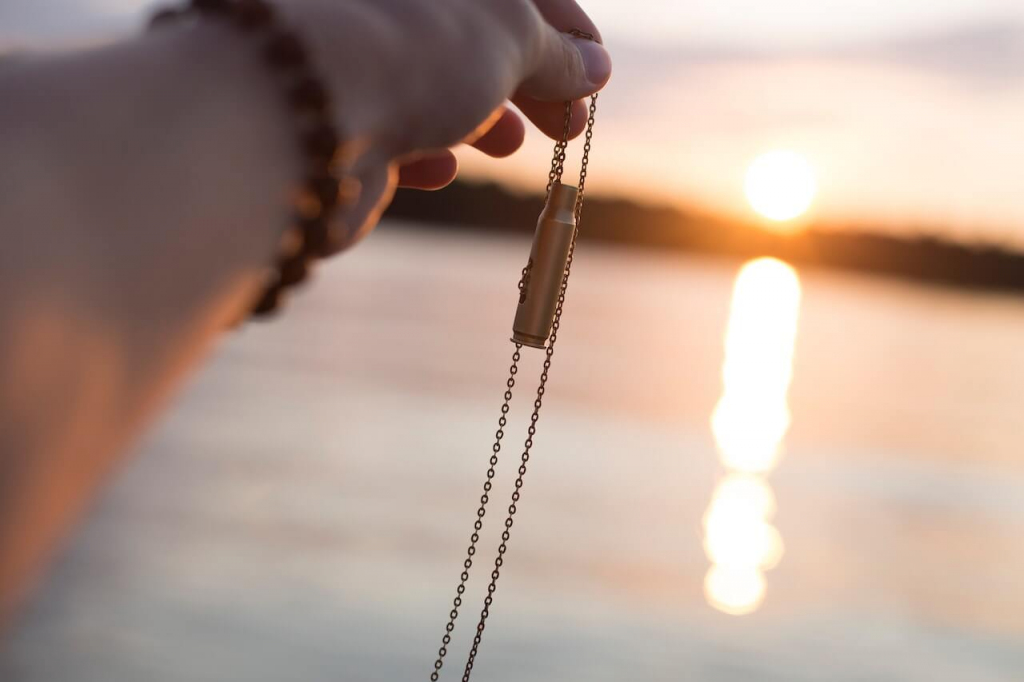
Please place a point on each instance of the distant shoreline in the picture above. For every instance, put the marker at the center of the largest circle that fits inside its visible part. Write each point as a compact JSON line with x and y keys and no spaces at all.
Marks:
{"x":489,"y":207}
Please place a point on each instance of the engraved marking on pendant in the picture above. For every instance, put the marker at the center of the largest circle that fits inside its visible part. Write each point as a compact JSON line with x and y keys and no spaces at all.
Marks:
{"x":524,"y":281}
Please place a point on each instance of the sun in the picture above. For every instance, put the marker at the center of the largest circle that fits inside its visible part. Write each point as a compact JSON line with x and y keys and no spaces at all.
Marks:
{"x":780,"y":185}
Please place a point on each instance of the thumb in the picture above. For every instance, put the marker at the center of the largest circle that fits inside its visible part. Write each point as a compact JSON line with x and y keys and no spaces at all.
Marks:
{"x":567,"y":68}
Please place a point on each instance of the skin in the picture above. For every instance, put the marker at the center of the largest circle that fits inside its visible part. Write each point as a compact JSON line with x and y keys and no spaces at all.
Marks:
{"x":144,"y":189}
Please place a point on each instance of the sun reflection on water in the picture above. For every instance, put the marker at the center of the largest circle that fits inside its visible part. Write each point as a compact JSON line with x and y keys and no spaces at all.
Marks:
{"x":749,"y":424}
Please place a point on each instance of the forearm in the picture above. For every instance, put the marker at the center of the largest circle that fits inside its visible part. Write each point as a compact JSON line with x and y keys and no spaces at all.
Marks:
{"x":143,"y":189}
{"x":163,"y":149}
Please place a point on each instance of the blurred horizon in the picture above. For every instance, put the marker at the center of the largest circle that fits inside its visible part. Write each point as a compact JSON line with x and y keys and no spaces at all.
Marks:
{"x":907,"y":111}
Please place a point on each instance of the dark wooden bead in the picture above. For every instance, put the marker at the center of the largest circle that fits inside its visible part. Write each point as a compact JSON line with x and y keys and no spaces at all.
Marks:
{"x":290,"y":243}
{"x":349,"y":188}
{"x":317,"y":167}
{"x":307,"y":206}
{"x":211,"y":6}
{"x":317,"y":241}
{"x":311,"y":235}
{"x":285,"y":50}
{"x":269,"y":302}
{"x":321,"y":143}
{"x":325,"y":189}
{"x":309,"y":95}
{"x":294,"y":270}
{"x":253,"y":14}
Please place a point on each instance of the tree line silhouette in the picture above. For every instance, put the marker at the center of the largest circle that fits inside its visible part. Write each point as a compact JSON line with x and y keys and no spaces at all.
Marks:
{"x":622,"y":222}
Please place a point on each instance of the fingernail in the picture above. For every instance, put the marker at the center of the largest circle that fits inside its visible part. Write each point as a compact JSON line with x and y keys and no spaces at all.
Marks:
{"x":596,"y":61}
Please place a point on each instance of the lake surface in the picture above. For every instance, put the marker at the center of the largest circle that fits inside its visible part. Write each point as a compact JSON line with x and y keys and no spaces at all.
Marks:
{"x":303,"y":510}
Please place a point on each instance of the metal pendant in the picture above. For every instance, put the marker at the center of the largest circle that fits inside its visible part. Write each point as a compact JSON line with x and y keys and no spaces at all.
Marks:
{"x":542,"y":278}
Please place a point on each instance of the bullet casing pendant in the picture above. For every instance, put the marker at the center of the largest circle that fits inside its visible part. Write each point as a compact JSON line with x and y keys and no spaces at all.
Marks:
{"x":537,"y":321}
{"x":542,"y":278}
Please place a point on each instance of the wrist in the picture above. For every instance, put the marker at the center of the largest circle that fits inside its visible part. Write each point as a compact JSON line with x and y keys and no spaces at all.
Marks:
{"x":287,"y":60}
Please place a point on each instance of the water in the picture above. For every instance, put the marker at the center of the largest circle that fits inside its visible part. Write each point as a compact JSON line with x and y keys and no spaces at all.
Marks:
{"x":302,"y":511}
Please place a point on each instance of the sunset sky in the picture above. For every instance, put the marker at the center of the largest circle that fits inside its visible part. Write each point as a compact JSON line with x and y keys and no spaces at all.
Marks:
{"x":910,"y":111}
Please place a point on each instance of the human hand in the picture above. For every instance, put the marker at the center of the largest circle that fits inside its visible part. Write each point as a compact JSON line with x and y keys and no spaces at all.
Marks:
{"x":158,"y":170}
{"x":414,"y":78}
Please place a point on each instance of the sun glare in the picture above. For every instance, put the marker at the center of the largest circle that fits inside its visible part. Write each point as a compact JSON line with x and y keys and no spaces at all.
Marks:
{"x":749,"y":424}
{"x":780,"y":185}
{"x":752,"y":416}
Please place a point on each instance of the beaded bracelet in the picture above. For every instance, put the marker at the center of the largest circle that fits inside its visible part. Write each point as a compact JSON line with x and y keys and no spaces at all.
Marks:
{"x":309,"y":236}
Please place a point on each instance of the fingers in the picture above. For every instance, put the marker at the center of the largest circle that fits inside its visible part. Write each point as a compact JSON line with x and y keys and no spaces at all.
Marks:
{"x":566,"y":15}
{"x":549,"y":117}
{"x":377,"y":182}
{"x":568,"y":68}
{"x":504,"y":137}
{"x":438,"y":169}
{"x":434,"y":171}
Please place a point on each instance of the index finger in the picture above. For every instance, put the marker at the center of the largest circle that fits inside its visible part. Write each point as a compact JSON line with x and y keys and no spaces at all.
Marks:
{"x":567,"y":67}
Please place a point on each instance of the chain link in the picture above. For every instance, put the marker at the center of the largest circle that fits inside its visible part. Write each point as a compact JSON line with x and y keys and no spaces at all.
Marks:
{"x":558,"y":156}
{"x":555,"y":175}
{"x":467,"y":564}
{"x":588,"y":138}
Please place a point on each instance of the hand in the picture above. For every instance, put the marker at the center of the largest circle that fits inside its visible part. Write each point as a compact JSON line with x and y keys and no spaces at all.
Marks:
{"x":413,"y":78}
{"x":158,"y":170}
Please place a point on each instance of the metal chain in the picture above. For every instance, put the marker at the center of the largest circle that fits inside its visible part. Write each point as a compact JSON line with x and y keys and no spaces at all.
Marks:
{"x":480,"y":512}
{"x":557,"y":164}
{"x":588,"y":138}
{"x":555,"y":175}
{"x":558,"y":157}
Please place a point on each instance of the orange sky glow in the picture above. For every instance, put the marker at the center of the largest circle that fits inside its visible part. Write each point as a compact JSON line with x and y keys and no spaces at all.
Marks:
{"x":911,"y":112}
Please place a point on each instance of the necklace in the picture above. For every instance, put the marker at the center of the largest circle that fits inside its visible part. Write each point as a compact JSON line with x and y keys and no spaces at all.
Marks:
{"x":542,"y":288}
